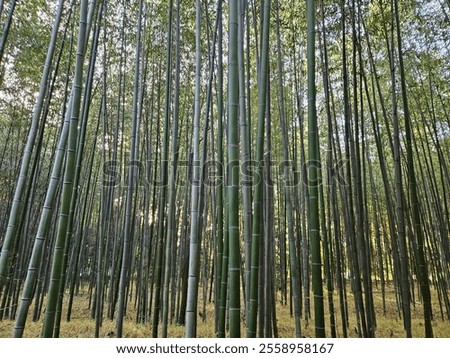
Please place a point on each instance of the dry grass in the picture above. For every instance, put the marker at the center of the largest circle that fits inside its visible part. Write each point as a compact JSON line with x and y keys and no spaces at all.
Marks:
{"x":389,"y":325}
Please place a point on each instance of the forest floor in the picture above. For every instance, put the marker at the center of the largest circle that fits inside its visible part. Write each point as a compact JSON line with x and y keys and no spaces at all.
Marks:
{"x":389,"y":325}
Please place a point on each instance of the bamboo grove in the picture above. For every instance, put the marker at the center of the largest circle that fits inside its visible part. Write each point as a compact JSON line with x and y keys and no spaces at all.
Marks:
{"x":165,"y":157}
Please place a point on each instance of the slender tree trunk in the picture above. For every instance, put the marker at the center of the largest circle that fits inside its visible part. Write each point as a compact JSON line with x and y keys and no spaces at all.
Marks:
{"x":423,"y":270}
{"x":313,"y":176}
{"x":233,"y":168}
{"x":401,"y":226}
{"x":171,"y":225}
{"x":69,"y":176}
{"x":131,"y":184}
{"x":293,"y":260}
{"x":194,"y":246}
{"x":259,"y":162}
{"x":17,"y":206}
{"x":6,"y":28}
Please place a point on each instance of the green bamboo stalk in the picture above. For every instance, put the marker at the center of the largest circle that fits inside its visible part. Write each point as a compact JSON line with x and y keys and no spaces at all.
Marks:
{"x":194,"y":245}
{"x":293,"y":260}
{"x":6,"y":29}
{"x":420,"y":247}
{"x":43,"y":230}
{"x":244,"y":135}
{"x":78,"y":163}
{"x":259,"y":185}
{"x":131,"y":183}
{"x":17,"y":206}
{"x":69,"y":176}
{"x":233,"y":167}
{"x":220,"y":329}
{"x":164,"y":178}
{"x":171,"y":225}
{"x":313,"y":175}
{"x":399,"y":193}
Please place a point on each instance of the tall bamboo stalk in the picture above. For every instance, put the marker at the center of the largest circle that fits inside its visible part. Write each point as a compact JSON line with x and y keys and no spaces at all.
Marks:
{"x":69,"y":175}
{"x":314,"y":166}
{"x":258,"y":181}
{"x":194,"y":246}
{"x":17,"y":206}
{"x":131,"y":182}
